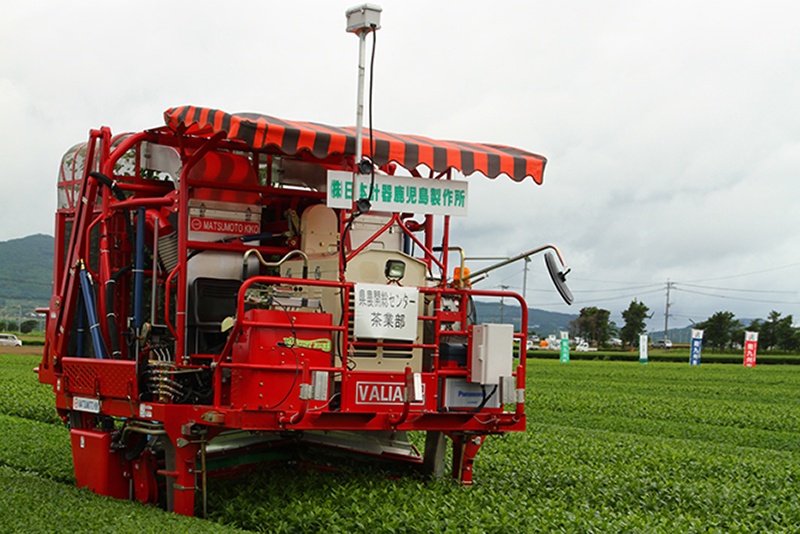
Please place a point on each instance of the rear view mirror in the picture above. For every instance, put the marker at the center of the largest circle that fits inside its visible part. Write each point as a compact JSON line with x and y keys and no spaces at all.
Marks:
{"x":559,"y":277}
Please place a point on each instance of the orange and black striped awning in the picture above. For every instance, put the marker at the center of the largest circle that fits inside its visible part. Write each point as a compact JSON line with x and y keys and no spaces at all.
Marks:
{"x":408,"y":151}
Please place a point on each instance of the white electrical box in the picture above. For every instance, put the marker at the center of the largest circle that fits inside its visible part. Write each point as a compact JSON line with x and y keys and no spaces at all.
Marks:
{"x":492,"y":353}
{"x":363,"y":17}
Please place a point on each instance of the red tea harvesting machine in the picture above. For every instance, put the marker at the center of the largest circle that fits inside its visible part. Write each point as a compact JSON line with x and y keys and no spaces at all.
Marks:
{"x":229,"y":287}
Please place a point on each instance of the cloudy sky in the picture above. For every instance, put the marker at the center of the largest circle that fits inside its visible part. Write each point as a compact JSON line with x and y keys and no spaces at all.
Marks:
{"x":671,"y":128}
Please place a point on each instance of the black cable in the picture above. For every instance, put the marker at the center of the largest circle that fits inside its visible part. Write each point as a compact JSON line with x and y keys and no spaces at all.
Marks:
{"x":291,"y":348}
{"x":371,"y":142}
{"x":363,"y":205}
{"x":472,"y":311}
{"x":484,"y":400}
{"x":344,"y":236}
{"x":337,"y":335}
{"x":485,"y":397}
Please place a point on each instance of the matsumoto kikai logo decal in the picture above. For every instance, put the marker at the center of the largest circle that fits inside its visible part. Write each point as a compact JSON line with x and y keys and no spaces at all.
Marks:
{"x":222,"y":226}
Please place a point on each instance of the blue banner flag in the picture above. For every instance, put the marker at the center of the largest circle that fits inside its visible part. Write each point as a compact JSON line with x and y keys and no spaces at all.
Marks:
{"x":697,"y":346}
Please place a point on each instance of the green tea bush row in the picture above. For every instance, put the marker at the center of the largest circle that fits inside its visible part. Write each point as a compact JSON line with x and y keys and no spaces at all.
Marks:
{"x":552,"y":478}
{"x":730,"y":397}
{"x":664,"y":356}
{"x":610,"y":447}
{"x":41,"y":448}
{"x":30,"y":503}
{"x":20,"y":392}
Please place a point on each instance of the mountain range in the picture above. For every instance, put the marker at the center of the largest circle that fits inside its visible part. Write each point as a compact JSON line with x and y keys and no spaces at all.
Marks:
{"x":26,"y":270}
{"x":541,"y":322}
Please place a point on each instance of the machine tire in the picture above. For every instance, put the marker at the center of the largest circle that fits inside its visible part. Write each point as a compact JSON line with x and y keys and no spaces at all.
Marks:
{"x":433,"y":460}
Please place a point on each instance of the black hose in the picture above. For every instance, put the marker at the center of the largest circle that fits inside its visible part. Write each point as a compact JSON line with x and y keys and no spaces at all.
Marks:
{"x":111,"y":318}
{"x":108,"y":182}
{"x":118,"y":193}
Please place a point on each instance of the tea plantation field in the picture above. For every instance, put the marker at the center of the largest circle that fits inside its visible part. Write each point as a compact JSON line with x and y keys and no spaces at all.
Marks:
{"x":610,"y":447}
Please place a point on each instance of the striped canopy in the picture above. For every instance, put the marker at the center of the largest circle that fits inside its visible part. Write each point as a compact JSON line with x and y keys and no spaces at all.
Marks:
{"x":408,"y":151}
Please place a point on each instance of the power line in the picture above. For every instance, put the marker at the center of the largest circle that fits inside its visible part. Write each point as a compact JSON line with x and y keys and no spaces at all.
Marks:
{"x":734,"y":289}
{"x":596,"y":281}
{"x":642,"y":290}
{"x":628,"y":288}
{"x":746,"y":274}
{"x":592,"y":301}
{"x":736,"y":297}
{"x":512,"y":275}
{"x":689,"y":282}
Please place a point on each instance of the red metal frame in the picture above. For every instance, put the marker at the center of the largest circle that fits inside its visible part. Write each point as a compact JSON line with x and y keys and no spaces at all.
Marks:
{"x":236,"y":373}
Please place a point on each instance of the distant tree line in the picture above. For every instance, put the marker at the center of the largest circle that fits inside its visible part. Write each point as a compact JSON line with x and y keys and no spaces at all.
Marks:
{"x":27,"y":326}
{"x":594,"y":325}
{"x":721,"y":331}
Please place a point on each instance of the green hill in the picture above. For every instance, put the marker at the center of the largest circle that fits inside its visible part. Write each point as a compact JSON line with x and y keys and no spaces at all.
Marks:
{"x":26,"y":271}
{"x":540,"y":322}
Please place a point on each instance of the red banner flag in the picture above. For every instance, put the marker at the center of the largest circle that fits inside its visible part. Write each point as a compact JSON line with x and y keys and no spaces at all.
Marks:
{"x":750,"y":348}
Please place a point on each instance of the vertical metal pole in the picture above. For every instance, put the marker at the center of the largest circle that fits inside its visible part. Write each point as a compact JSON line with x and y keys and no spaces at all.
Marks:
{"x":502,"y":305}
{"x":154,"y":290}
{"x":204,"y":479}
{"x":525,"y":280}
{"x":666,"y":315}
{"x":362,"y":46}
{"x":80,"y":320}
{"x":138,"y":272}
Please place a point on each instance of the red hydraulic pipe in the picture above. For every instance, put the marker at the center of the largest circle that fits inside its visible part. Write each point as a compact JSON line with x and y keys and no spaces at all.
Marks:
{"x":399,"y":420}
{"x":236,"y":247}
{"x":298,"y":416}
{"x":183,"y":238}
{"x":105,"y":277}
{"x":429,"y":232}
{"x":428,"y":253}
{"x":275,"y":367}
{"x":143,"y":202}
{"x":167,"y":284}
{"x":445,"y":247}
{"x":365,"y":244}
{"x":107,"y":167}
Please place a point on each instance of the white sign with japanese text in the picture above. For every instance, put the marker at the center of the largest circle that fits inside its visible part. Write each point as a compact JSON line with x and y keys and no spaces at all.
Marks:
{"x":386,"y":312}
{"x":399,"y":193}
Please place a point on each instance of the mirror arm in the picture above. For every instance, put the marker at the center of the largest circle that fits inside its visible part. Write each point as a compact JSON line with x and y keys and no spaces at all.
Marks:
{"x":517,"y":258}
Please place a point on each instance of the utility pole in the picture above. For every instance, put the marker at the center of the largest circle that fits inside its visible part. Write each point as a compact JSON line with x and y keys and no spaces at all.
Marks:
{"x":525,"y":279}
{"x":670,"y":285}
{"x":502,"y":305}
